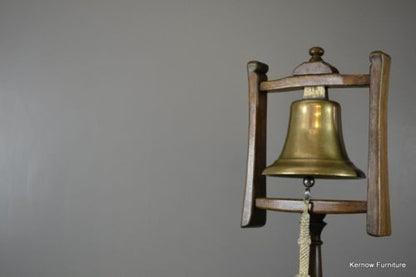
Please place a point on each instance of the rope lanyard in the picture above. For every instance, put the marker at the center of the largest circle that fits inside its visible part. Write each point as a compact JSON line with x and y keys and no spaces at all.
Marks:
{"x":304,"y":236}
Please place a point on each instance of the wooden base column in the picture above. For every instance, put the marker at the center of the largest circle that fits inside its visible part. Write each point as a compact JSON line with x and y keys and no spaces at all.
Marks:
{"x":317,"y":224}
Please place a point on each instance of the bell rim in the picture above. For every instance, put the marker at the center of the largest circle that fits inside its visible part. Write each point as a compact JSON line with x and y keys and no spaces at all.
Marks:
{"x":317,"y":168}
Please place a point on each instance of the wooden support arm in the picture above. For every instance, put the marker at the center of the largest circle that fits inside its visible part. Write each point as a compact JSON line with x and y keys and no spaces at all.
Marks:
{"x":317,"y":206}
{"x":327,"y":80}
{"x":256,"y":154}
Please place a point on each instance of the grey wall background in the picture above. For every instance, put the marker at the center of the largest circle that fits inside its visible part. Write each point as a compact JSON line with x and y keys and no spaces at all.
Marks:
{"x":123,"y":135}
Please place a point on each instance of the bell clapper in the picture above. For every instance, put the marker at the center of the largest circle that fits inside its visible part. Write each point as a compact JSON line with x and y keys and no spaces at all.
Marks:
{"x":308,"y":182}
{"x":305,"y":237}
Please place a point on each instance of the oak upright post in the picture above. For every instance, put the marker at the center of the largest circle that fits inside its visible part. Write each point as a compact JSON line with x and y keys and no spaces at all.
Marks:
{"x":256,"y":154}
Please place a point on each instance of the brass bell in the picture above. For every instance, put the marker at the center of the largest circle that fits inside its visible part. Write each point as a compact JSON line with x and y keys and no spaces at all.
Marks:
{"x":314,"y":144}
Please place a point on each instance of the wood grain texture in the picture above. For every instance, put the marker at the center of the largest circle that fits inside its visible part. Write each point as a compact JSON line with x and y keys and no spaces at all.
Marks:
{"x":378,"y":215}
{"x":315,"y":65}
{"x":256,"y":154}
{"x":319,"y":67}
{"x":318,"y":206}
{"x":327,"y":80}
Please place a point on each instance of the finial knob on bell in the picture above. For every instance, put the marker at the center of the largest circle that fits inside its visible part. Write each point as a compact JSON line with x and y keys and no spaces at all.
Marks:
{"x":316,"y":53}
{"x":315,"y":65}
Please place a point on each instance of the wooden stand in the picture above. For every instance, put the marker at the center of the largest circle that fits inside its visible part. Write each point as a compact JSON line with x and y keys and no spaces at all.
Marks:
{"x":316,"y":72}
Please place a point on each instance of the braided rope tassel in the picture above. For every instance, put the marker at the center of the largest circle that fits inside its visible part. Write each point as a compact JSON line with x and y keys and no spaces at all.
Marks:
{"x":304,"y":242}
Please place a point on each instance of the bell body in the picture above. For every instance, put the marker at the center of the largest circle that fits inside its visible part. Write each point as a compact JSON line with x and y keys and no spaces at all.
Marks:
{"x":314,"y":144}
